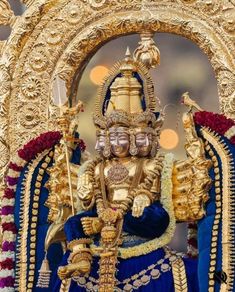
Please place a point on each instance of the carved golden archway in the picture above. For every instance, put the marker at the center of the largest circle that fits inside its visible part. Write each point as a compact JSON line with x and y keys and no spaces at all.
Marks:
{"x":59,"y":37}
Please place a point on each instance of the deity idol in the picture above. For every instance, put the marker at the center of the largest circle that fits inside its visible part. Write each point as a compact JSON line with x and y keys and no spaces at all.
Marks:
{"x":131,"y":196}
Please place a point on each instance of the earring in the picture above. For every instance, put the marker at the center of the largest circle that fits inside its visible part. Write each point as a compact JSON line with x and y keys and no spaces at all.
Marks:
{"x":107,"y":147}
{"x":133,"y":148}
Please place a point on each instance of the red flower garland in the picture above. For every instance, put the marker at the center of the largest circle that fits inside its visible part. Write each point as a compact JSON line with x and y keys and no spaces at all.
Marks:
{"x":39,"y":144}
{"x":27,"y":153}
{"x":216,"y":122}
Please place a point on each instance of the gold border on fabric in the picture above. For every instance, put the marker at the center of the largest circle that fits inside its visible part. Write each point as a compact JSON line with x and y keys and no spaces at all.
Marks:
{"x":228,"y":209}
{"x":23,"y":281}
{"x":218,"y":215}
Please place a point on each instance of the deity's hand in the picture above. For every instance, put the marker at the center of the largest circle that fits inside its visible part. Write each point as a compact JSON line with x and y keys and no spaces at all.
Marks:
{"x":91,"y":225}
{"x":84,"y":188}
{"x":140,"y":202}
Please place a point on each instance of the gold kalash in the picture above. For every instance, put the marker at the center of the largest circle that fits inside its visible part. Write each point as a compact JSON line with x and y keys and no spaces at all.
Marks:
{"x":128,"y":175}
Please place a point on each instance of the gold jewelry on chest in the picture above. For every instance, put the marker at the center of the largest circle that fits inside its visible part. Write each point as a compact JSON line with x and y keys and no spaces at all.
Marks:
{"x":119,"y":172}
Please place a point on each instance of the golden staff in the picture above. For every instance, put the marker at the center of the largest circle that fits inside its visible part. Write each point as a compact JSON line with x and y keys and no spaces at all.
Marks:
{"x":64,"y":122}
{"x":66,"y":116}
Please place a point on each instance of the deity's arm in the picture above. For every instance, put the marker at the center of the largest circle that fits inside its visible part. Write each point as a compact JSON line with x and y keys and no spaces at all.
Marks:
{"x":154,"y":218}
{"x":190,"y":177}
{"x":148,"y":190}
{"x":86,"y":184}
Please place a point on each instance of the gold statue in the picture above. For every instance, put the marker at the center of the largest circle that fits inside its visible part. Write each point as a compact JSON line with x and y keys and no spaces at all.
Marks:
{"x":124,"y":190}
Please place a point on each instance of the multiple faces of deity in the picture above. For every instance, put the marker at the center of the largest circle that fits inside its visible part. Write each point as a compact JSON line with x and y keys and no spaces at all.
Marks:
{"x":119,"y":139}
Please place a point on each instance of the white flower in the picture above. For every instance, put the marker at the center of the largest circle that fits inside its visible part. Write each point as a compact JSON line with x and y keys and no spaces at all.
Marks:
{"x":230,"y":132}
{"x":7,"y":289}
{"x":13,"y":173}
{"x":9,"y":236}
{"x":8,"y":202}
{"x":7,"y":218}
{"x":6,"y":273}
{"x":7,"y":254}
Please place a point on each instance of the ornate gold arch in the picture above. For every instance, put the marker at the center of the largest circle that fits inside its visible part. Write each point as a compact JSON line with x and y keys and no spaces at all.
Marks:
{"x":58,"y":37}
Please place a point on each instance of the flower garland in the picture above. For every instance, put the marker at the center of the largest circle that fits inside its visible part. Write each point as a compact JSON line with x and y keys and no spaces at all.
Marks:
{"x":9,"y":231}
{"x":218,"y":123}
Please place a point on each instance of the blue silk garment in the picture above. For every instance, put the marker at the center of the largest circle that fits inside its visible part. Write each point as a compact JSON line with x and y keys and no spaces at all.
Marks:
{"x":151,"y":224}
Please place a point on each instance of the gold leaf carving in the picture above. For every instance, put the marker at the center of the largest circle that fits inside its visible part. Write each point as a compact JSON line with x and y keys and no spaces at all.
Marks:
{"x":226,"y":83}
{"x":4,"y":80}
{"x":228,"y":20}
{"x":39,"y":61}
{"x":4,"y":154}
{"x":30,"y":117}
{"x":210,"y":6}
{"x":6,"y":14}
{"x":31,"y":86}
{"x":74,"y":14}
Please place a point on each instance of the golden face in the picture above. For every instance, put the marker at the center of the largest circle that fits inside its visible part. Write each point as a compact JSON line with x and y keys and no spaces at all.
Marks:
{"x":119,"y":141}
{"x":143,"y":143}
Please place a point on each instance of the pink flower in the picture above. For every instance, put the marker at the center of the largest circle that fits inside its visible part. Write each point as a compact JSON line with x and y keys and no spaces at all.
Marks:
{"x":8,"y":246}
{"x":7,"y":282}
{"x":7,"y":210}
{"x":11,"y":180}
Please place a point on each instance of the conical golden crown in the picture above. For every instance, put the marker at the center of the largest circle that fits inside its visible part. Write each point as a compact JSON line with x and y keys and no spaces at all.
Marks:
{"x":126,"y":90}
{"x":131,"y":99}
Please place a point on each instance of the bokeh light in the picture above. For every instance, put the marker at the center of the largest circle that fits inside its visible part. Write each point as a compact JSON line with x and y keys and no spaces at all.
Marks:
{"x":169,"y":139}
{"x":98,"y":73}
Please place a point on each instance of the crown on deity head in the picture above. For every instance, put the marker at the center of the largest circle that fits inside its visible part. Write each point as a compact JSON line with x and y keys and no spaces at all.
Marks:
{"x":126,"y":97}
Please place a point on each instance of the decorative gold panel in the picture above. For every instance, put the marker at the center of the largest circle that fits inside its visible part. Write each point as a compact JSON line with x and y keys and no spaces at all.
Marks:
{"x":59,"y":37}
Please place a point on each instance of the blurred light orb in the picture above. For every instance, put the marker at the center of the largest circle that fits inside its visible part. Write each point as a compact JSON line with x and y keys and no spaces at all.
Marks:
{"x":169,"y":139}
{"x":98,"y":73}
